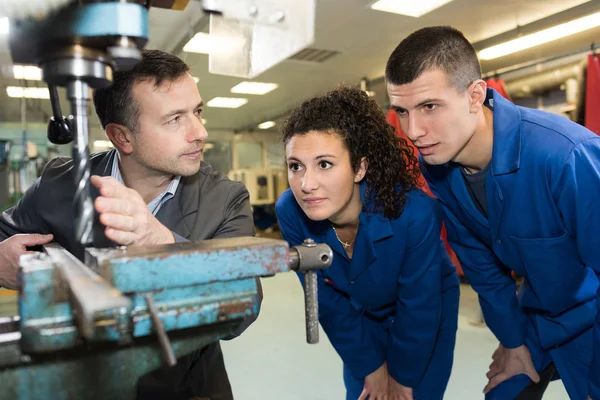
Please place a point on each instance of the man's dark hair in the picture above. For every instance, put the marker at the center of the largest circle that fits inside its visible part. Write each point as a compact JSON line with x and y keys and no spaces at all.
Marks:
{"x":115,"y":104}
{"x":440,"y":47}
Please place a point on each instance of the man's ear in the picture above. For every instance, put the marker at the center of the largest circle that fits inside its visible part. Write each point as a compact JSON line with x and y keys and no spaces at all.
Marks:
{"x":121,"y":137}
{"x":362,"y":170}
{"x":477,"y":93}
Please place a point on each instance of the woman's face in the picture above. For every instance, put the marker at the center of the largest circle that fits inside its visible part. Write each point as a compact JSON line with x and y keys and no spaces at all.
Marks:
{"x":321,"y":176}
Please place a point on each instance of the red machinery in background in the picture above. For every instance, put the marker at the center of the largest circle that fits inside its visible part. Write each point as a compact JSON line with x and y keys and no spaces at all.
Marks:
{"x":592,"y":94}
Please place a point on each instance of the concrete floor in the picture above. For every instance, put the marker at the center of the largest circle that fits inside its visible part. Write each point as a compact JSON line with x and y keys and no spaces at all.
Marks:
{"x":271,"y":360}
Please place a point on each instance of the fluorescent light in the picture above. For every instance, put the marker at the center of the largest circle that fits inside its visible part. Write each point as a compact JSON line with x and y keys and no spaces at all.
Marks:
{"x":200,"y":43}
{"x":106,"y":144}
{"x":226,"y":102}
{"x":28,"y":92}
{"x":4,"y":26}
{"x":196,"y":79}
{"x":410,"y":8}
{"x":266,"y":125}
{"x":203,"y":121}
{"x":541,"y":37}
{"x":208,"y":146}
{"x":254,"y":87}
{"x":206,"y":44}
{"x":27,"y":72}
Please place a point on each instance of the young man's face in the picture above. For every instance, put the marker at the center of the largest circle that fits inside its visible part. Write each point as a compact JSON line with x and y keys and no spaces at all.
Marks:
{"x":170,"y":136}
{"x":435,"y":116}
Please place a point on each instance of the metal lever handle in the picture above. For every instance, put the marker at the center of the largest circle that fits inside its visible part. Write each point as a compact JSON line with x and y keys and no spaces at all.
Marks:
{"x":163,"y":339}
{"x":308,"y":258}
{"x":60,"y":128}
{"x":311,"y":306}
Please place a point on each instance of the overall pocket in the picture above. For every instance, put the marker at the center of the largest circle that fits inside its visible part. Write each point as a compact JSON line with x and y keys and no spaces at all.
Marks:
{"x":554,"y":270}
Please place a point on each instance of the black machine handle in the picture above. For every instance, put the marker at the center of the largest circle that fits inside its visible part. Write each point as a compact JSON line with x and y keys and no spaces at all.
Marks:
{"x":60,"y":128}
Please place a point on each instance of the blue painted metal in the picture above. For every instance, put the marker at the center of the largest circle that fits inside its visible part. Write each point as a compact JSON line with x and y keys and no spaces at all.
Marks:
{"x":103,"y":19}
{"x":92,"y":20}
{"x":182,"y":308}
{"x":99,"y":372}
{"x":78,"y":24}
{"x":46,"y":319}
{"x":192,"y":285}
{"x":187,"y":264}
{"x":201,"y":292}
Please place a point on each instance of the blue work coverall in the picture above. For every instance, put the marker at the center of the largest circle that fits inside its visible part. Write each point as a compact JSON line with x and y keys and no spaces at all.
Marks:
{"x":543,"y":199}
{"x":395,"y":301}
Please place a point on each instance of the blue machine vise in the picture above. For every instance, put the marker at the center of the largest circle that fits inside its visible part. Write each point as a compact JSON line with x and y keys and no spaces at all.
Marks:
{"x":91,"y":330}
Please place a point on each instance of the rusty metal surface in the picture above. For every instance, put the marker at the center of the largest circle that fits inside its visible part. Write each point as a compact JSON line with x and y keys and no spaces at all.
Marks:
{"x":45,"y":314}
{"x":51,"y":302}
{"x":103,"y":371}
{"x":147,"y":268}
{"x":181,"y":308}
{"x":95,"y":302}
{"x":200,"y":291}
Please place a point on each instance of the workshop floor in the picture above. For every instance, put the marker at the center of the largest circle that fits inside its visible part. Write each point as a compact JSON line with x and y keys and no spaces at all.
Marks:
{"x":271,"y":360}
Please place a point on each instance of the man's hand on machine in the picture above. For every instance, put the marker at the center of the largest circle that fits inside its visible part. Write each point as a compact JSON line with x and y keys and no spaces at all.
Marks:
{"x":11,"y":250}
{"x":508,"y":363}
{"x":125,"y":215}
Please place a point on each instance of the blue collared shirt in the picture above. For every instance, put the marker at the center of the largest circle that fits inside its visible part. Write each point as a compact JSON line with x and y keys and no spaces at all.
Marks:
{"x":155,"y":205}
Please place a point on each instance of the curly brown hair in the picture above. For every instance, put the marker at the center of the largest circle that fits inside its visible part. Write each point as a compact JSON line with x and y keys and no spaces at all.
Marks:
{"x":361,"y":124}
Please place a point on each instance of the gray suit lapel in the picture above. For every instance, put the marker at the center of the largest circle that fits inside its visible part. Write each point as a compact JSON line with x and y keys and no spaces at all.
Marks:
{"x":179,"y":214}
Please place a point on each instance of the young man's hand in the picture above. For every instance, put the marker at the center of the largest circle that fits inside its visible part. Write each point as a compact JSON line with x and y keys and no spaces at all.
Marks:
{"x":11,"y":250}
{"x":397,"y":391}
{"x":508,"y":363}
{"x":125,"y":215}
{"x":376,"y":385}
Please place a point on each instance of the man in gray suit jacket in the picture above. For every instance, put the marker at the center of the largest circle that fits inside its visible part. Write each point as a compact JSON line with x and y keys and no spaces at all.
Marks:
{"x":152,"y":188}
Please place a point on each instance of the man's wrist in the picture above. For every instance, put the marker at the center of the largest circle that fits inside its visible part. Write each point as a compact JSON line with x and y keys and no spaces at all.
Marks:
{"x":160,"y":234}
{"x":167,"y":236}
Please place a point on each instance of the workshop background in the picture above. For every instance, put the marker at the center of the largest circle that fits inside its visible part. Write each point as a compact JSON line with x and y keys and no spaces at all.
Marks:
{"x":353,"y":39}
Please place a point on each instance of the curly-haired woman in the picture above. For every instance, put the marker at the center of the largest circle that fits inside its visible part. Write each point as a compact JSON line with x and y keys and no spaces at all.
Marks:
{"x":389,"y":302}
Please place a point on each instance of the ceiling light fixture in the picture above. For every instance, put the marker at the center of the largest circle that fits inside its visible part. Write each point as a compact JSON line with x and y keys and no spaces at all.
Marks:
{"x":28,"y":92}
{"x":226,"y":102}
{"x":27,"y":72}
{"x":4,"y":26}
{"x":200,"y":43}
{"x":409,"y":8}
{"x":541,"y":37}
{"x":259,"y":88}
{"x":266,"y":125}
